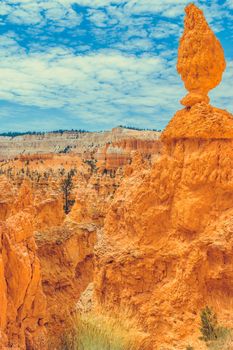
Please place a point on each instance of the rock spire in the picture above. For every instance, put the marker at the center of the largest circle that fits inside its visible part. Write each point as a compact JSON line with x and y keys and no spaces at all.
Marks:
{"x":201,"y":64}
{"x":201,"y":60}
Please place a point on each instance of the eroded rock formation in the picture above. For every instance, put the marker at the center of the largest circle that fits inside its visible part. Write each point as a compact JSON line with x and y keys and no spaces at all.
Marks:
{"x":66,"y":257}
{"x":117,"y":154}
{"x":167,"y":248}
{"x":32,"y":207}
{"x":200,"y":57}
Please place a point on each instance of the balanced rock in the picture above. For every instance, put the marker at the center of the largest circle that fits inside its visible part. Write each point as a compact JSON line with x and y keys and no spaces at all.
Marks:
{"x":201,"y":60}
{"x":201,"y":64}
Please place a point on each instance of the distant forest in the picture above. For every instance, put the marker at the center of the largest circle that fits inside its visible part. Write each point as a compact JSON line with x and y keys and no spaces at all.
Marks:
{"x":135,"y":128}
{"x":61,"y":131}
{"x":19,"y":133}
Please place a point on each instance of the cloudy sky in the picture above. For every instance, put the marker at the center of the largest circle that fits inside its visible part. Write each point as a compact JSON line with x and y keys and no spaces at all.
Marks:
{"x":95,"y":64}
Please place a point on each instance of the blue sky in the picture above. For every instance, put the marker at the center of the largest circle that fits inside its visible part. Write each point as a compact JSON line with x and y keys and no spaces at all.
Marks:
{"x":95,"y":64}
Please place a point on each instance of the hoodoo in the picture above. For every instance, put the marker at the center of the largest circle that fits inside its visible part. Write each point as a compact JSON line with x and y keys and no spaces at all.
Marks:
{"x":201,"y":60}
{"x":168,"y":234}
{"x":201,"y":64}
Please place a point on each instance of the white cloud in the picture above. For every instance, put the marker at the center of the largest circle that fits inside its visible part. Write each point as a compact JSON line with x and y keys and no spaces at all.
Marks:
{"x":164,"y":29}
{"x":108,"y":84}
{"x":99,"y":18}
{"x":25,"y":16}
{"x":170,"y":8}
{"x":95,"y":86}
{"x":139,"y":6}
{"x":229,"y":3}
{"x":9,"y":44}
{"x":136,"y":44}
{"x":222,"y":96}
{"x":29,"y":12}
{"x":4,"y":9}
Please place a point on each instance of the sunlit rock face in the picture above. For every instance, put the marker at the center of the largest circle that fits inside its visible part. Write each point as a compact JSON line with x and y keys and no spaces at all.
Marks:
{"x":168,"y":239}
{"x":201,"y":121}
{"x":201,"y":61}
{"x":23,"y":303}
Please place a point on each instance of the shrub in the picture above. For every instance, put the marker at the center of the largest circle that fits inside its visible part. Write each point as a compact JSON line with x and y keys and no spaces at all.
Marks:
{"x":215,"y":336}
{"x":209,"y":325}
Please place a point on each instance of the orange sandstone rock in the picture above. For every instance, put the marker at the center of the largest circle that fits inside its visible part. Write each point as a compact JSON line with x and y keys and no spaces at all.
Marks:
{"x":201,"y":121}
{"x":23,"y":305}
{"x":167,"y":247}
{"x":164,"y":250}
{"x":201,"y":60}
{"x":66,"y":257}
{"x":118,"y":154}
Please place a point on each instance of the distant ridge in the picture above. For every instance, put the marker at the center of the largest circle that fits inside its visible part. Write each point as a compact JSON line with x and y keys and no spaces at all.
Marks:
{"x":136,"y":128}
{"x":21,"y":133}
{"x":62,"y":131}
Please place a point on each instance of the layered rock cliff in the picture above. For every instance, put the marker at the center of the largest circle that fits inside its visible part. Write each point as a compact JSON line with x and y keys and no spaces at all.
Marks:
{"x":85,"y":144}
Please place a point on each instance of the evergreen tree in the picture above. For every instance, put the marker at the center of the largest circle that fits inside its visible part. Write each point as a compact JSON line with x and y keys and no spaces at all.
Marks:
{"x":67,"y":185}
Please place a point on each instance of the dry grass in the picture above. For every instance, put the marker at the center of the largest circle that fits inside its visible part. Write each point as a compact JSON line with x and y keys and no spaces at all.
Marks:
{"x":98,"y":331}
{"x":228,"y":345}
{"x":223,"y":343}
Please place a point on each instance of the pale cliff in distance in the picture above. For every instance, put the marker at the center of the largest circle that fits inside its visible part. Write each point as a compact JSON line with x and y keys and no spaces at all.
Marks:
{"x":110,"y":149}
{"x":78,"y":142}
